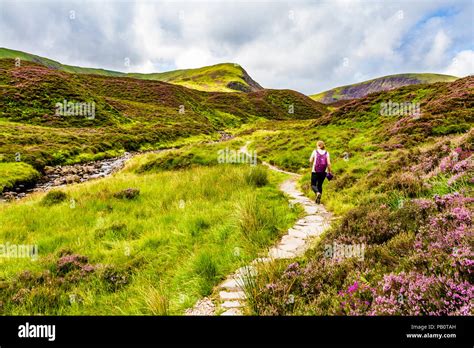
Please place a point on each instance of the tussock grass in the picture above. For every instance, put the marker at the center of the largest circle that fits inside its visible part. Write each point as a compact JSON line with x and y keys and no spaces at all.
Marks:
{"x":156,"y":254}
{"x":53,"y":197}
{"x":257,"y":176}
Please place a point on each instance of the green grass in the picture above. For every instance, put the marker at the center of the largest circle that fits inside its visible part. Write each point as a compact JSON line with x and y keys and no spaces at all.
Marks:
{"x":131,"y":114}
{"x":289,"y":146}
{"x":14,"y":173}
{"x":214,"y":78}
{"x":188,"y":221}
{"x":380,"y":164}
{"x":168,"y":246}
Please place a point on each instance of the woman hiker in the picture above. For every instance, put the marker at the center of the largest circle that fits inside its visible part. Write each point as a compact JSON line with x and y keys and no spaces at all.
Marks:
{"x":320,"y":162}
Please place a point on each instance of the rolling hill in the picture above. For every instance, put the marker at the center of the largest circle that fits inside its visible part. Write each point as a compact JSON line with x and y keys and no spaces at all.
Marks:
{"x":401,"y":195}
{"x":225,"y":77}
{"x":130,"y":113}
{"x":385,"y":83}
{"x":403,"y":188}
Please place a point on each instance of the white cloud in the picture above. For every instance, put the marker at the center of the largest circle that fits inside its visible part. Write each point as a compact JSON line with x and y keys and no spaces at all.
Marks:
{"x":193,"y":57}
{"x":437,"y":54}
{"x":304,"y":45}
{"x":462,"y":64}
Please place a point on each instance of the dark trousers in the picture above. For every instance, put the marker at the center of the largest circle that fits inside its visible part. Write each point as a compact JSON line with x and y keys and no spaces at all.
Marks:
{"x":317,"y":180}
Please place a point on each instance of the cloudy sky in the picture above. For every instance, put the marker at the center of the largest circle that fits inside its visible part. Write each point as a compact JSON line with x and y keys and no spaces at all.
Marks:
{"x":309,"y":46}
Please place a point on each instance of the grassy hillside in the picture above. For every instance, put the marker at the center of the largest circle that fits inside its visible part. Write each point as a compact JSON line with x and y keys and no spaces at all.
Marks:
{"x":226,"y":77}
{"x":152,"y":253}
{"x":28,"y":57}
{"x":403,"y":190}
{"x":130,"y":114}
{"x":385,"y":83}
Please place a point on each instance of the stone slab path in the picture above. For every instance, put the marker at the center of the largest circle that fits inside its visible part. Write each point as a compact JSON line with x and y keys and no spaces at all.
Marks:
{"x":231,"y":297}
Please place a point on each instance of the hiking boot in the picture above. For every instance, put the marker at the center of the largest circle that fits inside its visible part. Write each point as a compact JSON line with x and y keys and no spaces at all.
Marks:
{"x":318,"y":198}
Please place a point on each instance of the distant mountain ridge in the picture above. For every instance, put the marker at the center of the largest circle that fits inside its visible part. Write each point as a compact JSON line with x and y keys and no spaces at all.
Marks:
{"x":385,"y":83}
{"x":231,"y":77}
{"x":224,"y":77}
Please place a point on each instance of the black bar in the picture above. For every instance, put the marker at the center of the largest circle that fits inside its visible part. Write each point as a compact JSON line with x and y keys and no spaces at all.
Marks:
{"x":245,"y":331}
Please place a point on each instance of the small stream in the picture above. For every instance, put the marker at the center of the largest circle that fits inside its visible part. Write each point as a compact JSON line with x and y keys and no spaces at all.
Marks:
{"x":62,"y":175}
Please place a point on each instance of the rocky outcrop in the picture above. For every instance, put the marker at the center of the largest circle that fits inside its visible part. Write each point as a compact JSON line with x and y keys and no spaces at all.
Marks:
{"x":239,"y":86}
{"x":252,"y":85}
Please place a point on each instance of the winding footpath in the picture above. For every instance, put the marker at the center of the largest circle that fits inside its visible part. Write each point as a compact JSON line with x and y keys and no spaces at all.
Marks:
{"x":231,"y":299}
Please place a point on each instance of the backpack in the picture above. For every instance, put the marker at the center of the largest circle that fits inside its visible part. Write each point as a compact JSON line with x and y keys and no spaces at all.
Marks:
{"x":321,"y":162}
